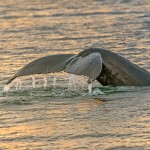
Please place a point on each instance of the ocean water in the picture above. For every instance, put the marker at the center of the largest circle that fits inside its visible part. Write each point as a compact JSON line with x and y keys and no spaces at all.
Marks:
{"x":63,"y":115}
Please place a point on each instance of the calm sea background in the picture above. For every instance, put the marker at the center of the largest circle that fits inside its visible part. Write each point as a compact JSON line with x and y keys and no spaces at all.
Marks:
{"x":60,"y":118}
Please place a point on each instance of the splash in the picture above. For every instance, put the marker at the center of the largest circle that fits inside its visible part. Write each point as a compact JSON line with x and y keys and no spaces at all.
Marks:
{"x":33,"y":81}
{"x":90,"y":88}
{"x":97,"y":91}
{"x":73,"y":83}
{"x":45,"y":81}
{"x":18,"y":82}
{"x":54,"y":82}
{"x":59,"y":85}
{"x":7,"y":87}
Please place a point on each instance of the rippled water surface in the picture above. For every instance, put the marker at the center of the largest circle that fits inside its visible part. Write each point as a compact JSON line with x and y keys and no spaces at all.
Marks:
{"x":58,"y":117}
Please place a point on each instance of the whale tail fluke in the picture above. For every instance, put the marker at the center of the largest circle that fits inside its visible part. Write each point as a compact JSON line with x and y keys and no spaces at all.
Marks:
{"x":89,"y":65}
{"x":44,"y":65}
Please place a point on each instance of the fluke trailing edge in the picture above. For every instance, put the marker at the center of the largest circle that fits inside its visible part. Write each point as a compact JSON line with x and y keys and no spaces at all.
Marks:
{"x":105,"y":66}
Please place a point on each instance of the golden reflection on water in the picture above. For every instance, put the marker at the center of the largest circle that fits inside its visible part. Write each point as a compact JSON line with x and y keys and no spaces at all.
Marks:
{"x":67,"y":122}
{"x":27,"y":129}
{"x":84,"y":30}
{"x":22,"y":145}
{"x":33,"y":29}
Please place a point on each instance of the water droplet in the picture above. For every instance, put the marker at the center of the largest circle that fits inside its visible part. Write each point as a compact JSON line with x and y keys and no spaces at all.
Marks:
{"x":33,"y":81}
{"x":90,"y":88}
{"x":97,"y":91}
{"x":54,"y":81}
{"x":45,"y":82}
{"x":7,"y":87}
{"x":18,"y":83}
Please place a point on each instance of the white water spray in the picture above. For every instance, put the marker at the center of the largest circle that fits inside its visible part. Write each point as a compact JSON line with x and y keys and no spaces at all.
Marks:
{"x":7,"y":87}
{"x":90,"y":88}
{"x":33,"y":81}
{"x":45,"y":82}
{"x":72,"y":82}
{"x":54,"y":81}
{"x":18,"y":83}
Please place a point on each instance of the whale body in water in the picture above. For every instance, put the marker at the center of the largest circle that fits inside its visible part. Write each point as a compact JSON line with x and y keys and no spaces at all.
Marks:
{"x":102,"y":65}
